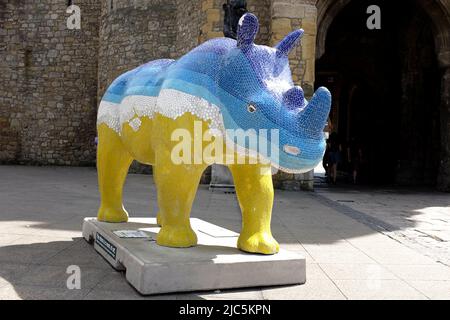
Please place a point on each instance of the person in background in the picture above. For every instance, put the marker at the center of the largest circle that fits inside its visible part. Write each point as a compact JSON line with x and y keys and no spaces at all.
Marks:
{"x":233,"y":11}
{"x":326,"y":160}
{"x":326,"y":156}
{"x":334,"y":156}
{"x":354,"y":153}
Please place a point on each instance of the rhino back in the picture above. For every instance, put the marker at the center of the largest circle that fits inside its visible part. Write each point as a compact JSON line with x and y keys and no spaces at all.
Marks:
{"x":196,"y":72}
{"x":144,"y":80}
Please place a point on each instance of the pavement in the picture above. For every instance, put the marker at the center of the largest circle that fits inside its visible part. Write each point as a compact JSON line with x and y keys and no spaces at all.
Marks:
{"x":358,"y":243}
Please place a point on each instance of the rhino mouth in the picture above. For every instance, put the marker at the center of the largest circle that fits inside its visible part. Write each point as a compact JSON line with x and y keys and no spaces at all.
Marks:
{"x":291,"y":150}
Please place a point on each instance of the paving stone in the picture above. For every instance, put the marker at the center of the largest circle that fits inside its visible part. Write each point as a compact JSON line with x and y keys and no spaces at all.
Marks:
{"x":415,"y":218}
{"x":315,"y":271}
{"x":347,"y":259}
{"x":10,"y":273}
{"x":345,"y":256}
{"x":355,"y":271}
{"x":374,"y":289}
{"x":313,"y":289}
{"x":97,"y":294}
{"x":245,"y":294}
{"x":21,"y":292}
{"x":436,"y":290}
{"x":80,"y":254}
{"x":420,"y":272}
{"x":57,"y":276}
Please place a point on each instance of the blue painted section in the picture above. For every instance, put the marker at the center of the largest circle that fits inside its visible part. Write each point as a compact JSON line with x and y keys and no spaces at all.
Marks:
{"x":233,"y":75}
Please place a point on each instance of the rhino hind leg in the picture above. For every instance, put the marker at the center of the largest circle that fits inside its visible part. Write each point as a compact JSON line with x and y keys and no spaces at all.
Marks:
{"x":159,"y":219}
{"x":255,"y":194}
{"x":113,"y":162}
{"x":176,"y":188}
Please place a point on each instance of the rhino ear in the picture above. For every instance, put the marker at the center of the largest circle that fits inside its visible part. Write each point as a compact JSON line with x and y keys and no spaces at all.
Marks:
{"x":247,"y":29}
{"x":294,"y":98}
{"x":289,"y":42}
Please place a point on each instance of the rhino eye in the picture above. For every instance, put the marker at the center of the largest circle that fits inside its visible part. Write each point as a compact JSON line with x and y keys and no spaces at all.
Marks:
{"x":251,"y":108}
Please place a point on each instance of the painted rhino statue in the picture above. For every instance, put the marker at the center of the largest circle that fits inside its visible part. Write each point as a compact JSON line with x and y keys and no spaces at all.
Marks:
{"x":222,"y":86}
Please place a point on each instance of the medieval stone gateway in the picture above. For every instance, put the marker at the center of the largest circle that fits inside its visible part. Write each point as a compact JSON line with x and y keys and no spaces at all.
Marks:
{"x":51,"y":78}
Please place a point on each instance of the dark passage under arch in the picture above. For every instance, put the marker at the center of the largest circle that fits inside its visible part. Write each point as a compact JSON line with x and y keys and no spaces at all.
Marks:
{"x":386,"y":89}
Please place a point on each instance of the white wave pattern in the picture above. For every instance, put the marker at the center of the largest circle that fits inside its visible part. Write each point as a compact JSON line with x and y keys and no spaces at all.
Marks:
{"x":173,"y":104}
{"x":170,"y":103}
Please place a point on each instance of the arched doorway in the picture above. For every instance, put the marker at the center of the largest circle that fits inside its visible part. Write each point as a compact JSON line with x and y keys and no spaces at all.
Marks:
{"x":386,"y":86}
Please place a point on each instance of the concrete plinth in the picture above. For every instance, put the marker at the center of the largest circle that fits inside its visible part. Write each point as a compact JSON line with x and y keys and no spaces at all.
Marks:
{"x":214,"y":263}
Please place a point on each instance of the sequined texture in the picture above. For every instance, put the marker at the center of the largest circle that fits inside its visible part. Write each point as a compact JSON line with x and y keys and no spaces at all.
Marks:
{"x":170,"y":103}
{"x":231,"y":85}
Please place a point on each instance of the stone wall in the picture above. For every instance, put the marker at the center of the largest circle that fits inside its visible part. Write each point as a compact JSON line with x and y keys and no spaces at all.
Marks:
{"x":211,"y":20}
{"x":132,"y":33}
{"x":418,"y":159}
{"x":444,"y":169}
{"x":262,"y":9}
{"x":440,"y":14}
{"x":189,"y":17}
{"x":52,"y":78}
{"x":48,"y":83}
{"x":116,"y":35}
{"x":288,"y":15}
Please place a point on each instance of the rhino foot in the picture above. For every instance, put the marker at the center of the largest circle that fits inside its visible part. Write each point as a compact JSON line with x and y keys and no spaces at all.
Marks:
{"x":113,"y":215}
{"x":176,"y":236}
{"x":159,"y":219}
{"x":260,"y":242}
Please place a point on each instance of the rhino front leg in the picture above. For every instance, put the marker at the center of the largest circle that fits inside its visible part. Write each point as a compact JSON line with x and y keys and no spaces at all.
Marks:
{"x":113,"y":162}
{"x":254,"y":190}
{"x":176,"y":186}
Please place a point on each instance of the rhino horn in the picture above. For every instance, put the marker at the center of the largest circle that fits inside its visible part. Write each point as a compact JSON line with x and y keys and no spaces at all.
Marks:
{"x":289,"y":42}
{"x":315,"y":115}
{"x":247,"y":29}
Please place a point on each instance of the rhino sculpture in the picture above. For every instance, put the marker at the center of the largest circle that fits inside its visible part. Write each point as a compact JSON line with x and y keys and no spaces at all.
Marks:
{"x":223,"y":85}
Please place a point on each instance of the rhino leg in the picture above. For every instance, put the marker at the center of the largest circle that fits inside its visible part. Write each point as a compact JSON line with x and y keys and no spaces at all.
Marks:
{"x":113,"y":162}
{"x":176,"y":187}
{"x":254,"y":190}
{"x":159,"y":219}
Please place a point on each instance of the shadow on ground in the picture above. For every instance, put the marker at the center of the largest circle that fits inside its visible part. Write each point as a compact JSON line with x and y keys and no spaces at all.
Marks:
{"x":42,"y":210}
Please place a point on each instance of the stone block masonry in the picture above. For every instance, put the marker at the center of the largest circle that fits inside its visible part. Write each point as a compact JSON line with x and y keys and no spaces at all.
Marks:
{"x":135,"y":32}
{"x":55,"y":77}
{"x":51,"y":78}
{"x":48,"y":83}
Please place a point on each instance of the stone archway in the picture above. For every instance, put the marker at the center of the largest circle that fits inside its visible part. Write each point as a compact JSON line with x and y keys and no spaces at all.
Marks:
{"x":438,"y":12}
{"x":327,"y":10}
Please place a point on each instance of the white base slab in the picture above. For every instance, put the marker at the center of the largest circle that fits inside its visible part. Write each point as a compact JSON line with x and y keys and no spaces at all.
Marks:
{"x":214,"y":263}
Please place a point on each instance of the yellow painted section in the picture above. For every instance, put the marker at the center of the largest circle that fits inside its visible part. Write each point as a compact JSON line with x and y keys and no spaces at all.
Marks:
{"x":139,"y":143}
{"x":177,"y":184}
{"x":113,"y":161}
